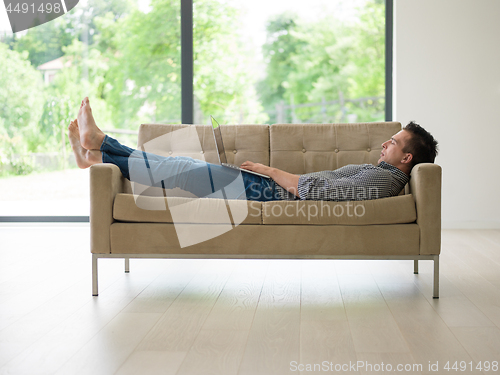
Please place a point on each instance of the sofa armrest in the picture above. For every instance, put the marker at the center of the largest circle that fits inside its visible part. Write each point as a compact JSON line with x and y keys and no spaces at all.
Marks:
{"x":425,"y":186}
{"x":106,"y":181}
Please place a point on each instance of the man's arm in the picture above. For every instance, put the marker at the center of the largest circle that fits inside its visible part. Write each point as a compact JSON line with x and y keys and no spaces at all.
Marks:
{"x":362,"y":184}
{"x":286,"y":180}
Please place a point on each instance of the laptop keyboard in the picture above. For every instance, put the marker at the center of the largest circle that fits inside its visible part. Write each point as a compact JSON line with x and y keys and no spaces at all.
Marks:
{"x":230,"y":166}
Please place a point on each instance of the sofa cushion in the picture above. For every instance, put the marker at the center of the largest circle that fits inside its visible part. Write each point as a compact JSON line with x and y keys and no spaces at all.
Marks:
{"x":185,"y":210}
{"x":393,"y":210}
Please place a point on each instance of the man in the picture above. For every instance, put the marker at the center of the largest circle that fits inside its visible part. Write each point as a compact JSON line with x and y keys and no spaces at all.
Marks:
{"x":410,"y":146}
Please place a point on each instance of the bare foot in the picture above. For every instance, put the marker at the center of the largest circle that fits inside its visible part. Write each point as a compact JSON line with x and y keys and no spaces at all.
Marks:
{"x":78,"y":150}
{"x":84,"y":158}
{"x":91,"y":136}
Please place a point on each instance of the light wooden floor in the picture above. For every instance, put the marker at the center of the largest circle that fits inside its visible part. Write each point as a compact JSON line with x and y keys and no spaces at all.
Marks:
{"x":242,"y":316}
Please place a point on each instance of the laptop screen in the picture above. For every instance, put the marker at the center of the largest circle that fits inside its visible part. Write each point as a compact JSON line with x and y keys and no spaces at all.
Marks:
{"x":218,"y":140}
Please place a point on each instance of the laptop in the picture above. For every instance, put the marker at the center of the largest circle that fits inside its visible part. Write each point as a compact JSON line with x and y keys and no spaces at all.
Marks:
{"x":219,"y":145}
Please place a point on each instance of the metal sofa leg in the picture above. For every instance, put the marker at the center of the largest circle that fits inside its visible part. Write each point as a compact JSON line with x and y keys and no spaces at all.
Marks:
{"x":415,"y":266}
{"x":127,"y":265}
{"x":436,"y":277}
{"x":94,"y":275}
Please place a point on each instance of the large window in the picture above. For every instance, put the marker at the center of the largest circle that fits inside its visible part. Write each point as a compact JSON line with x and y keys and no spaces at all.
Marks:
{"x":124,"y":56}
{"x":289,"y":61}
{"x":254,"y":62}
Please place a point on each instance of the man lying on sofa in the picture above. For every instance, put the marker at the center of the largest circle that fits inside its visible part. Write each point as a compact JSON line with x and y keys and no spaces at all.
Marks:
{"x":410,"y":146}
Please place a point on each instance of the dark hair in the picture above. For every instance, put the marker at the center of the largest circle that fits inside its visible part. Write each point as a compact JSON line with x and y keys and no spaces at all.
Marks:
{"x":421,"y":145}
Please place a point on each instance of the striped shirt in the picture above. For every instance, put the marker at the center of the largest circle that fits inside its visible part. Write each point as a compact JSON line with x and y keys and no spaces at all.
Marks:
{"x":354,"y":182}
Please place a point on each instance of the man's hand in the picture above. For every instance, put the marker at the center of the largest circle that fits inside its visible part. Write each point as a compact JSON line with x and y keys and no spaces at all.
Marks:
{"x":284,"y":179}
{"x":257,"y":167}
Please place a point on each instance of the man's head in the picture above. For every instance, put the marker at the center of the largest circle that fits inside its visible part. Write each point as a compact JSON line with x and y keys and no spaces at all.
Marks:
{"x":411,"y":146}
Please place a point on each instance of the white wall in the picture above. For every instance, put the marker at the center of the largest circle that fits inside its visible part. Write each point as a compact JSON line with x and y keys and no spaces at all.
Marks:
{"x":447,"y":78}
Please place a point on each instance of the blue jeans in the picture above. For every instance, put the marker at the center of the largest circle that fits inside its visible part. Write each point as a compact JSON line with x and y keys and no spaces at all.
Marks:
{"x":195,"y":176}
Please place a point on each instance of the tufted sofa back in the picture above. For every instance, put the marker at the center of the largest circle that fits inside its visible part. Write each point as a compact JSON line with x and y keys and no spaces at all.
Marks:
{"x":305,"y":148}
{"x":242,"y":142}
{"x":295,"y":148}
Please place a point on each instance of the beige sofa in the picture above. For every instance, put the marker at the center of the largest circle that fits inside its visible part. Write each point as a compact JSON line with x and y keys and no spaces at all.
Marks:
{"x":407,"y":226}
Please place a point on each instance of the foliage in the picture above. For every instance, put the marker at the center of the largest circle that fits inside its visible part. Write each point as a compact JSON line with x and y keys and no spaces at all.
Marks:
{"x":20,"y":108}
{"x":128,"y":63}
{"x":142,"y":83}
{"x":87,"y":16}
{"x":21,"y":166}
{"x":316,"y":61}
{"x":281,"y":46}
{"x":224,"y":80}
{"x":21,"y":101}
{"x":81,"y":77}
{"x":143,"y":53}
{"x":46,"y":42}
{"x":367,"y":79}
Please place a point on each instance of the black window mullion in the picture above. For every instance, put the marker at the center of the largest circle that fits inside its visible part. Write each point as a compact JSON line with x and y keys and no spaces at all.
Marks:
{"x":388,"y":58}
{"x":187,"y":61}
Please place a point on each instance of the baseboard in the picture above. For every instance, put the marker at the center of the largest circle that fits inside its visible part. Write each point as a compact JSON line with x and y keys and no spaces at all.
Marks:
{"x":470,"y":224}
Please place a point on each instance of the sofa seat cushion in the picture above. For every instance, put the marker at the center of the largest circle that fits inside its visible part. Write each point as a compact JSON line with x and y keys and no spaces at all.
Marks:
{"x":393,"y":210}
{"x":185,"y":210}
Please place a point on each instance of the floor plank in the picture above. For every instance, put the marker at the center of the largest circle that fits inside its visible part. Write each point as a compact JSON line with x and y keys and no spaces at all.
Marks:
{"x":482,"y":343}
{"x":273,"y":340}
{"x":373,"y":327}
{"x":427,"y":335}
{"x":325,"y":335}
{"x":215,"y":352}
{"x":108,"y":350}
{"x":236,"y":305}
{"x":179,"y":325}
{"x":154,"y":362}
